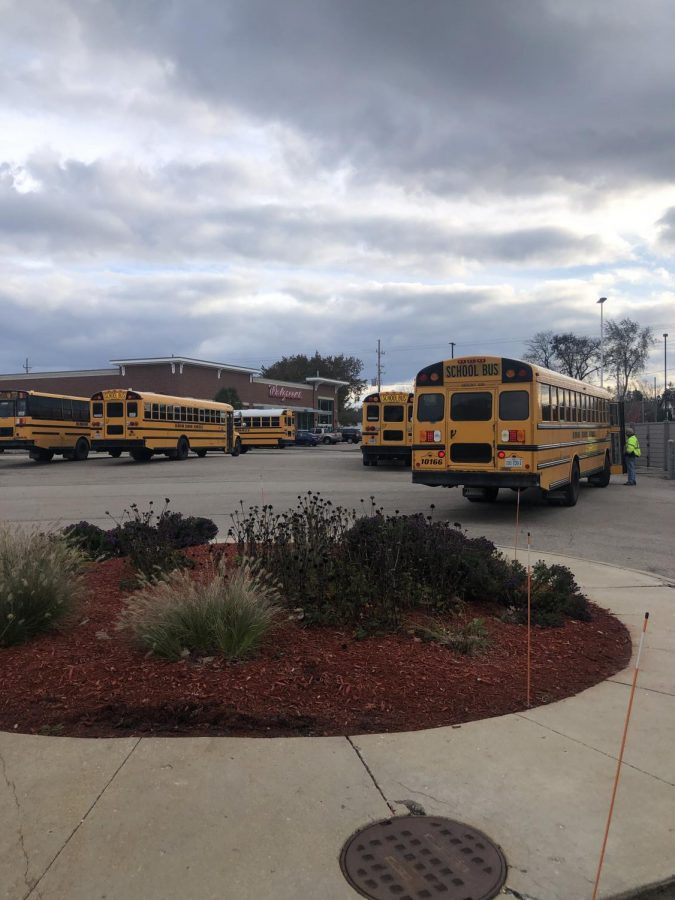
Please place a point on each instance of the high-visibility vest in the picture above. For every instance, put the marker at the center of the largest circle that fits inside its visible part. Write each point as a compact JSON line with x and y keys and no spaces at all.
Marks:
{"x":632,"y":446}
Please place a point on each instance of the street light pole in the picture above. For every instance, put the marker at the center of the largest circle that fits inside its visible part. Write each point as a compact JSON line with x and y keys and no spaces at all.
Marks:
{"x":601,"y":301}
{"x":452,"y":349}
{"x":665,"y":364}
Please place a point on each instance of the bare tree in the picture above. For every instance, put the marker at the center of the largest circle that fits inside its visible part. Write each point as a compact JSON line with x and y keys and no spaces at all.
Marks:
{"x":626,"y":350}
{"x":576,"y":356}
{"x":540,"y":349}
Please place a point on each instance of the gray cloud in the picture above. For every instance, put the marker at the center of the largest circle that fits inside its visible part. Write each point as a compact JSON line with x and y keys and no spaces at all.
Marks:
{"x":242,"y":180}
{"x":441,"y":95}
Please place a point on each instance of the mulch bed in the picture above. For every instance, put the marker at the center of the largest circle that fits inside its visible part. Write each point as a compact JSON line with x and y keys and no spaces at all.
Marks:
{"x":87,"y":680}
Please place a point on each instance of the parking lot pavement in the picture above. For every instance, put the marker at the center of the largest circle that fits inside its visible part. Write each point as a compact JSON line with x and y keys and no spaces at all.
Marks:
{"x":632,"y":528}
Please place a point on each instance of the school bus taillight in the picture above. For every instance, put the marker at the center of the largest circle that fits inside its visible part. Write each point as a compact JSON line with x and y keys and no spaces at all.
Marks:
{"x":516,"y":437}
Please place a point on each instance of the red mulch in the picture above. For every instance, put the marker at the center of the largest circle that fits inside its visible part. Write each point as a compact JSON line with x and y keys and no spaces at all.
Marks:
{"x":87,"y":680}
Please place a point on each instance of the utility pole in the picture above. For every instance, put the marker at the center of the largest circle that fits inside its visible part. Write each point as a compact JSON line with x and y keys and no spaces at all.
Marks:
{"x":380,"y":354}
{"x":452,"y":349}
{"x":602,"y":302}
{"x":665,"y":365}
{"x":26,"y":366}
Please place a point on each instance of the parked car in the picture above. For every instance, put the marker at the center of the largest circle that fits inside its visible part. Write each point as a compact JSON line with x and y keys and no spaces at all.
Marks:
{"x":306,"y":438}
{"x":326,"y":435}
{"x":351,"y":434}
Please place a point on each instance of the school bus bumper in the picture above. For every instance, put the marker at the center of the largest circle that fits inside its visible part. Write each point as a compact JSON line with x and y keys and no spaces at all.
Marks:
{"x":17,"y":444}
{"x":476,"y":479}
{"x":380,"y":452}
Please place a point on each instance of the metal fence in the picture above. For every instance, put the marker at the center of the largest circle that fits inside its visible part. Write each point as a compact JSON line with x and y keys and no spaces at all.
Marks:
{"x":653,"y":438}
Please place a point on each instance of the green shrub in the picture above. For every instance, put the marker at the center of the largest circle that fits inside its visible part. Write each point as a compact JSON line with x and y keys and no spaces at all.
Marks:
{"x":150,"y":540}
{"x":469,"y":638}
{"x":91,"y":539}
{"x":40,"y":581}
{"x":555,"y":597}
{"x":367,"y":570}
{"x":227,"y":614}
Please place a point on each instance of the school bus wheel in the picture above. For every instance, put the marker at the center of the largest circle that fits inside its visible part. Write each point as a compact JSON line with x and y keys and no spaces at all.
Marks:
{"x":41,"y":455}
{"x":115,"y":453}
{"x":142,"y":454}
{"x":602,"y":479}
{"x":81,"y":451}
{"x":182,"y":448}
{"x":571,"y":491}
{"x":201,"y":452}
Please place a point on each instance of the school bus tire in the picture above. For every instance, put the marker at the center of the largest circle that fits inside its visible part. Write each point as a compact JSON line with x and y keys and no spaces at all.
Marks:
{"x":570,"y":493}
{"x":201,"y":452}
{"x":115,"y":453}
{"x":602,"y":479}
{"x":244,"y":449}
{"x":81,"y":451}
{"x":141,"y":454}
{"x":237,"y":449}
{"x":182,"y":448}
{"x":42,"y":456}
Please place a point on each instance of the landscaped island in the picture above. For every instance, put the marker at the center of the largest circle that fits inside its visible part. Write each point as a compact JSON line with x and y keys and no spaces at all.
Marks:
{"x":317,"y":621}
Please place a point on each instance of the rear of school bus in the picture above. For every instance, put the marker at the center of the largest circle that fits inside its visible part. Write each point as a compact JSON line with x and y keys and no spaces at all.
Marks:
{"x":386,"y":428}
{"x":45,"y":424}
{"x":473,"y":426}
{"x":478,"y":424}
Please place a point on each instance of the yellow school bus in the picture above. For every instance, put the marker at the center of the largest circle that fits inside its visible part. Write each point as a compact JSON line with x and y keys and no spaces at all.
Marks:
{"x":146,"y":424}
{"x":265,"y":427}
{"x":486,"y":422}
{"x":386,"y":427}
{"x":45,"y":424}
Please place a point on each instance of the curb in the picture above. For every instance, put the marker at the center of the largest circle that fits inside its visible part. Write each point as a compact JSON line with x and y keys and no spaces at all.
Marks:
{"x":662,"y":890}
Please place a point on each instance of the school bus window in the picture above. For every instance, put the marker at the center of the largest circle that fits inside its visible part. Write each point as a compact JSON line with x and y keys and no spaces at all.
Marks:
{"x":545,"y":400}
{"x":410,"y":412}
{"x":514,"y":406}
{"x":67,"y":410}
{"x":554,"y":404}
{"x":114,"y":410}
{"x":392,"y":413}
{"x":431,"y":408}
{"x":6,"y":409}
{"x":471,"y":407}
{"x":372,"y":413}
{"x":132,"y":409}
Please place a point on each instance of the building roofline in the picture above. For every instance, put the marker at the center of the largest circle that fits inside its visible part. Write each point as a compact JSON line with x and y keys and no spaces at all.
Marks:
{"x":149,"y":361}
{"x":67,"y":374}
{"x":320,"y":380}
{"x":292,"y":384}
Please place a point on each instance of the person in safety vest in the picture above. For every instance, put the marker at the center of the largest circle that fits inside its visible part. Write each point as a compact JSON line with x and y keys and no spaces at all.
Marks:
{"x":631,"y":451}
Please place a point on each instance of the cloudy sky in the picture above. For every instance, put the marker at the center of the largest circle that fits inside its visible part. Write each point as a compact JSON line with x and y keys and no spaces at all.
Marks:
{"x":237,"y":180}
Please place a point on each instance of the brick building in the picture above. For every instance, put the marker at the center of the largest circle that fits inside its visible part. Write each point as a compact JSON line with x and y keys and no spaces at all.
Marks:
{"x":314,"y":400}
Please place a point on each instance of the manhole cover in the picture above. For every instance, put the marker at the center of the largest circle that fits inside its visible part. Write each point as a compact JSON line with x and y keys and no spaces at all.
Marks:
{"x":423,"y":858}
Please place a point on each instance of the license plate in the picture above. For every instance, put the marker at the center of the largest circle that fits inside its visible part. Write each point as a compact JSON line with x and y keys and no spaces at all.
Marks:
{"x":513,"y":462}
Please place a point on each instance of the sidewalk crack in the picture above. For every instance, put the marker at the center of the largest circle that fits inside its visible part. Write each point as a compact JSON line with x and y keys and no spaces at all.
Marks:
{"x":19,"y":830}
{"x":368,"y":770}
{"x":596,"y":750}
{"x":82,"y":821}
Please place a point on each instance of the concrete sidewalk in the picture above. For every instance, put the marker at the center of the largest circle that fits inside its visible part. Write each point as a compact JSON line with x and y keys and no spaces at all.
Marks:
{"x":247,"y":819}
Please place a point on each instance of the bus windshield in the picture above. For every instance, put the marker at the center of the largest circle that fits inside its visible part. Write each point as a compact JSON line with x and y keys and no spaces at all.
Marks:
{"x":6,"y":409}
